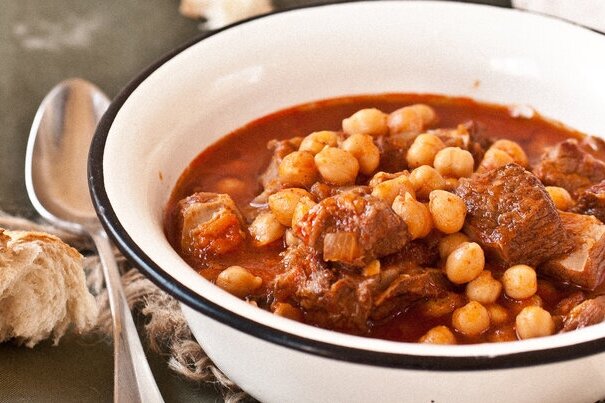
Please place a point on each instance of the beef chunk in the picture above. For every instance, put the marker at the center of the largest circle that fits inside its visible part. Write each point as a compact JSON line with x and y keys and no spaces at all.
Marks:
{"x":353,"y":227}
{"x":594,"y":146}
{"x":421,"y":252}
{"x":330,"y":299}
{"x":510,"y":214}
{"x":568,"y":166}
{"x":210,"y":224}
{"x":584,"y":265}
{"x":410,"y":286}
{"x":301,"y":265}
{"x":589,"y":312}
{"x":393,"y":151}
{"x":466,"y":136}
{"x":269,"y":179}
{"x":568,"y":303}
{"x":336,"y":298}
{"x":592,"y":201}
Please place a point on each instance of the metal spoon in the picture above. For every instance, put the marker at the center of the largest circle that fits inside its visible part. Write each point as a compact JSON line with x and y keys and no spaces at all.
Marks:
{"x":55,"y":177}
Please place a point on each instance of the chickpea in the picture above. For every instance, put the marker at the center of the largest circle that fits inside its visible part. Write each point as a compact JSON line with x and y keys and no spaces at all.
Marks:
{"x":438,"y":335}
{"x":316,"y":141}
{"x":298,"y":169}
{"x":534,"y":321}
{"x":390,"y":189}
{"x":287,"y":311}
{"x":337,"y":166}
{"x":425,"y":179}
{"x":423,"y":150}
{"x":484,"y":288}
{"x":448,"y":211}
{"x":362,"y":147}
{"x":514,"y":150}
{"x":450,"y":242}
{"x":471,"y":320}
{"x":415,"y":215}
{"x":454,"y":162}
{"x":560,"y":197}
{"x":465,"y":263}
{"x":238,"y":281}
{"x":411,"y":119}
{"x":266,"y":228}
{"x":497,"y":314}
{"x":494,"y":158}
{"x":302,"y":207}
{"x":282,"y":204}
{"x":366,"y":121}
{"x":520,"y":281}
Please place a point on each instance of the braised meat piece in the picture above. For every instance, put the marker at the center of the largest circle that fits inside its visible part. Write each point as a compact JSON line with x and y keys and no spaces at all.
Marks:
{"x":584,"y":265}
{"x":337,"y":298}
{"x":329,"y":300}
{"x":568,"y":303}
{"x":393,"y":150}
{"x":466,"y":136}
{"x":592,"y":201}
{"x":353,"y":228}
{"x":568,"y":166}
{"x":595,"y":146}
{"x":510,"y":214}
{"x":421,"y":252}
{"x":410,"y":286}
{"x":269,"y":179}
{"x":587,"y":313}
{"x":210,"y":224}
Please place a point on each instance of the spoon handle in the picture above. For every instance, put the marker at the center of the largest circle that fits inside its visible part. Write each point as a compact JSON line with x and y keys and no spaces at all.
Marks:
{"x":133,"y":379}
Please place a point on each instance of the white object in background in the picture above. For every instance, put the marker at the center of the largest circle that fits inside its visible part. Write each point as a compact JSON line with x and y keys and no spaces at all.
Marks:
{"x":590,"y":13}
{"x":219,"y":13}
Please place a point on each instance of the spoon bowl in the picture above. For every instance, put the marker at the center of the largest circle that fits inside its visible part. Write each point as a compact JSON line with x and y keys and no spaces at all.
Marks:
{"x":56,"y":156}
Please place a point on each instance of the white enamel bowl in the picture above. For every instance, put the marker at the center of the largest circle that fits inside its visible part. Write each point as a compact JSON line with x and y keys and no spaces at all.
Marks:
{"x":214,"y":85}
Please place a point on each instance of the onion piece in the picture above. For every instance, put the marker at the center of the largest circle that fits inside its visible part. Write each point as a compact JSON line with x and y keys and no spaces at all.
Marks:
{"x":341,"y":247}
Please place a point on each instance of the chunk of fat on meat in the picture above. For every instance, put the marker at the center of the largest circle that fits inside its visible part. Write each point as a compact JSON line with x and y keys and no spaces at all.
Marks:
{"x":584,"y":265}
{"x":210,"y":224}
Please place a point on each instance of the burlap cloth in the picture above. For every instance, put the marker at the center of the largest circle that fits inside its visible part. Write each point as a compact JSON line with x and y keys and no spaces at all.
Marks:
{"x":165,"y":331}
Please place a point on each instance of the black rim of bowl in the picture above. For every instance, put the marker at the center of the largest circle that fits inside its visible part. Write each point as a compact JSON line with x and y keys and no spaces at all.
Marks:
{"x":208,"y":308}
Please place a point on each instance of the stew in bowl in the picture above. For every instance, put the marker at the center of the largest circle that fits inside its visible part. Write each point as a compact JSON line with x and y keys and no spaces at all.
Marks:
{"x":407,"y":217}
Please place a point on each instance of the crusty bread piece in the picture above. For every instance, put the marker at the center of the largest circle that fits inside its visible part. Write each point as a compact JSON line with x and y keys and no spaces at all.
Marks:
{"x":42,"y":288}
